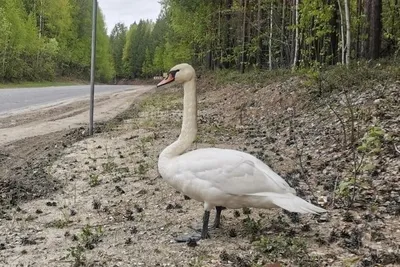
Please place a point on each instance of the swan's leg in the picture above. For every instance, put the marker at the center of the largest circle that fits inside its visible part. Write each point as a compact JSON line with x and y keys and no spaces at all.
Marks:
{"x":217,"y":220}
{"x":204,"y":231}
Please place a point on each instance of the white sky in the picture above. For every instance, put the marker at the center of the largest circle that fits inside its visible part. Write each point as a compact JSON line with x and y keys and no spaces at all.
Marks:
{"x":128,"y":11}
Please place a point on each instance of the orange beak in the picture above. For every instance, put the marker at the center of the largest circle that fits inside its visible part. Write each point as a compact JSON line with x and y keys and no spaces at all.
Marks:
{"x":170,"y":78}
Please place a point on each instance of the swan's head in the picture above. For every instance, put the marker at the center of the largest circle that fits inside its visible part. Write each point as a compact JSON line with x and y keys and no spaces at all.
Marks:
{"x":180,"y":73}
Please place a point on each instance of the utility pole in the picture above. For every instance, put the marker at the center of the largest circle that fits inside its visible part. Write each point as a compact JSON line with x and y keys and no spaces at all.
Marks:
{"x":92,"y":66}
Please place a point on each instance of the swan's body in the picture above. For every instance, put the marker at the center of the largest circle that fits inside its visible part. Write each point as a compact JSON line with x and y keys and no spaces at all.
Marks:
{"x":221,"y":177}
{"x":232,"y":179}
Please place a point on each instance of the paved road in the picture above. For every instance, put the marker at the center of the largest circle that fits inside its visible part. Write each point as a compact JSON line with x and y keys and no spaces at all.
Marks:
{"x":15,"y":99}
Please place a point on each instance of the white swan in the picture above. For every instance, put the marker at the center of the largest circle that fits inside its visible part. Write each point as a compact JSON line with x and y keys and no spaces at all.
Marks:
{"x":220,"y":177}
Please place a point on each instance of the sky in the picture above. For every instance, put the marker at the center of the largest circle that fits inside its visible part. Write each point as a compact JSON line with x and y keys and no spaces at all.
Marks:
{"x":128,"y":11}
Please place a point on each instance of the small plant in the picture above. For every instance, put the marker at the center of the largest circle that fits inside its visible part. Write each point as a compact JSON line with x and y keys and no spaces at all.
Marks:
{"x":142,"y":168}
{"x":59,"y":223}
{"x":94,"y":180}
{"x":251,"y":226}
{"x":149,"y":123}
{"x":197,"y":262}
{"x":372,"y":141}
{"x":281,"y":247}
{"x":109,"y":166}
{"x":88,"y":238}
{"x":78,"y":254}
{"x":371,"y":144}
{"x":30,"y":218}
{"x":345,"y":186}
{"x":147,"y":139}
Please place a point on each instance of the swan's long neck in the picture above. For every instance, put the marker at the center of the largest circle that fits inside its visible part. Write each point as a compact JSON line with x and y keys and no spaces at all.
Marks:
{"x":189,"y":123}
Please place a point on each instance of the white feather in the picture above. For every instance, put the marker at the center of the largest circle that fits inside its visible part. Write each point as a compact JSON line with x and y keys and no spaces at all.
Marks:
{"x":222,"y":177}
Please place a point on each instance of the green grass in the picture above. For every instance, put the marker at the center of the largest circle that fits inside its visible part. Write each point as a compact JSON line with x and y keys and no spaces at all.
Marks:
{"x":37,"y":84}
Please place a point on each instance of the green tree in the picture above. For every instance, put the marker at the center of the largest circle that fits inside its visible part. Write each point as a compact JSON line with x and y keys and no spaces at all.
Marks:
{"x":117,"y":42}
{"x":147,"y":68}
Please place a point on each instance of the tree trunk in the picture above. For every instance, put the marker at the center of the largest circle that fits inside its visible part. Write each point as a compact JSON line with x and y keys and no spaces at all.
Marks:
{"x":219,"y":35}
{"x":342,"y":32}
{"x":243,"y":38}
{"x":41,"y":19}
{"x":359,"y":46}
{"x":334,"y":35}
{"x":348,"y":37}
{"x":374,"y":10}
{"x":270,"y":36}
{"x":283,"y":33}
{"x":228,"y":43}
{"x":296,"y":38}
{"x":259,"y":41}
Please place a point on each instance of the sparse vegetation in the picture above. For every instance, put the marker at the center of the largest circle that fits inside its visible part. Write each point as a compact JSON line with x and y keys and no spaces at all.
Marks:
{"x":313,"y":148}
{"x":87,"y":239}
{"x":94,"y":180}
{"x":59,"y":223}
{"x":141,"y":169}
{"x":109,"y":166}
{"x":283,"y":247}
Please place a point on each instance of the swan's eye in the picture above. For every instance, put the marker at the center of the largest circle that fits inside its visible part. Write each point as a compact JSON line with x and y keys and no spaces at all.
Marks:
{"x":173,"y":72}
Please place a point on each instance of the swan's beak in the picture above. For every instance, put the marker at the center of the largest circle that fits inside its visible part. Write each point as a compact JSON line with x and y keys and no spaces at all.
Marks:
{"x":170,"y":78}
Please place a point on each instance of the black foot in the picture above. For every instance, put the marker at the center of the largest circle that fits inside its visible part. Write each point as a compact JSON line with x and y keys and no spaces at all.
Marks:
{"x":188,"y":238}
{"x":191,"y":238}
{"x":204,"y":232}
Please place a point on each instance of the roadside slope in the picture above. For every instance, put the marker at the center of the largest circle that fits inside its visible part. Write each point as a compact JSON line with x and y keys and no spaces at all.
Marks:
{"x":335,"y":147}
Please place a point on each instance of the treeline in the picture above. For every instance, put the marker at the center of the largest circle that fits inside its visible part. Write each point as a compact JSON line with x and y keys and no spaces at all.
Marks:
{"x":44,"y":39}
{"x":263,"y":34}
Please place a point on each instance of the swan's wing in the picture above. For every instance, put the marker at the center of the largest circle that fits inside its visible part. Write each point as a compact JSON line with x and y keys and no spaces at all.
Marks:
{"x":231,"y":171}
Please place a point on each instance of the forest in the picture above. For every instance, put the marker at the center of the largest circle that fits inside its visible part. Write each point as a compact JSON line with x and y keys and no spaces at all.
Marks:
{"x":46,"y":39}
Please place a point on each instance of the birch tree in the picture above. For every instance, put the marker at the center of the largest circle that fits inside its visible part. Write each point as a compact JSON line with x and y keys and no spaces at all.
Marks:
{"x":342,"y":33}
{"x":270,"y":35}
{"x":348,"y":31}
{"x":296,"y":38}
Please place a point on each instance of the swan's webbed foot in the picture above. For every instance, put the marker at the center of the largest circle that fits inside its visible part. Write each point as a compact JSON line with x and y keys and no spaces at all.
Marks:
{"x":196,"y":237}
{"x":188,"y":238}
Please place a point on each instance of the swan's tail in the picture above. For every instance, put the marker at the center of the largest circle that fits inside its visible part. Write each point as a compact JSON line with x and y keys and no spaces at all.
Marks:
{"x":291,"y":202}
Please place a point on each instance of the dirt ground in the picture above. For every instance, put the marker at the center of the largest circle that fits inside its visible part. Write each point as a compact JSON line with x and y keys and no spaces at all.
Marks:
{"x":72,"y":200}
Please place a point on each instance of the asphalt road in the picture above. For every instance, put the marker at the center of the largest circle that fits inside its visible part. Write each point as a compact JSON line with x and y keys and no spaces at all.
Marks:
{"x":20,"y":98}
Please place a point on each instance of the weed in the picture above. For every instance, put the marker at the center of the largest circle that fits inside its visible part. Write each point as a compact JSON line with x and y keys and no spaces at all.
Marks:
{"x":59,"y":223}
{"x":96,"y":204}
{"x":78,"y":254}
{"x":149,"y":123}
{"x":251,"y":226}
{"x":147,"y":139}
{"x":94,"y":180}
{"x":142,"y":168}
{"x":197,"y":261}
{"x":30,"y":218}
{"x":142,"y":146}
{"x":331,"y":80}
{"x":162,"y":102}
{"x":371,"y":144}
{"x":89,"y":236}
{"x":372,"y":141}
{"x":278,"y":247}
{"x":109,"y":167}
